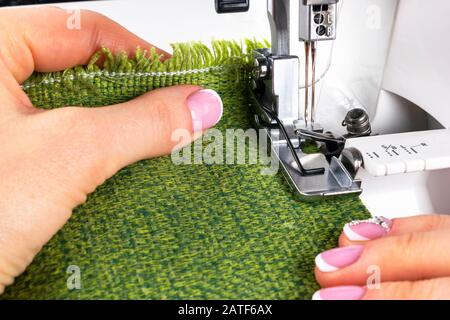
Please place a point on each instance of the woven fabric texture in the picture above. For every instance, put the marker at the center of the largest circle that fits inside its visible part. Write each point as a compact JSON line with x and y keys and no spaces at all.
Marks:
{"x":162,"y":231}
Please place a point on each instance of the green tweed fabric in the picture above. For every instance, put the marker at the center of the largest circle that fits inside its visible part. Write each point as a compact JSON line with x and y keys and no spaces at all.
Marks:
{"x":161,"y":231}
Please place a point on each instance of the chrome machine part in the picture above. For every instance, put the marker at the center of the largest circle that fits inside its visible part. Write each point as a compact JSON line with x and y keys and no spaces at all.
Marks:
{"x":276,"y":106}
{"x":334,"y":181}
{"x":313,"y":82}
{"x":317,"y":23}
{"x":318,"y":20}
{"x":279,"y":18}
{"x":307,"y":54}
{"x":312,"y":176}
{"x":352,"y":160}
{"x":357,"y":122}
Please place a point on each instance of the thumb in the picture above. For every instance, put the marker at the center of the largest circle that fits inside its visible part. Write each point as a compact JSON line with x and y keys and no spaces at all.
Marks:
{"x":79,"y":148}
{"x":151,"y":125}
{"x":59,"y":156}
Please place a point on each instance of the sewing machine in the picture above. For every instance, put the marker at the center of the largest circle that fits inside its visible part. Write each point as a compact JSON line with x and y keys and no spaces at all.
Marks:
{"x":394,"y":152}
{"x":388,"y":58}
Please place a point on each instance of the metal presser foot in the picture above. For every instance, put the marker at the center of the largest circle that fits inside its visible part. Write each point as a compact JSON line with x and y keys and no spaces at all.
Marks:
{"x":275,"y":100}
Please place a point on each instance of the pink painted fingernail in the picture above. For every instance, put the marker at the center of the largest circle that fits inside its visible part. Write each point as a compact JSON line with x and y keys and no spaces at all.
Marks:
{"x":370,"y":229}
{"x":206,"y":109}
{"x":335,"y":259}
{"x":340,"y":293}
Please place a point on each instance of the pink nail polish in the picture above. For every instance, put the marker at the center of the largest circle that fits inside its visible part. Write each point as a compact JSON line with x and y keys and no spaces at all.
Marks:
{"x":206,"y":109}
{"x":369,"y":229}
{"x":335,"y":259}
{"x":340,"y":293}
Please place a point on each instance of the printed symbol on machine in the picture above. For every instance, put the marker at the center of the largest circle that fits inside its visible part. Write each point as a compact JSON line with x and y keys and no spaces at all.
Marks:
{"x":415,"y":148}
{"x":391,"y":150}
{"x":373,"y":155}
{"x":407,"y":150}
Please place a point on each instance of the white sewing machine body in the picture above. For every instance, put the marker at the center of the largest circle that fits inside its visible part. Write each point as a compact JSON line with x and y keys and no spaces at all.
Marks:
{"x":412,"y":97}
{"x":390,"y":58}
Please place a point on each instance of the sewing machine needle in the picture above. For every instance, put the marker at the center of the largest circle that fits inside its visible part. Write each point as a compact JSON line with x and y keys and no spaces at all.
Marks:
{"x":307,"y":53}
{"x":313,"y":82}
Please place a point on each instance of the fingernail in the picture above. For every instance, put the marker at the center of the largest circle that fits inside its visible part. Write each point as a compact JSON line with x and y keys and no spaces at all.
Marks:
{"x":206,"y":109}
{"x":340,"y":293}
{"x":335,"y":259}
{"x":370,"y":229}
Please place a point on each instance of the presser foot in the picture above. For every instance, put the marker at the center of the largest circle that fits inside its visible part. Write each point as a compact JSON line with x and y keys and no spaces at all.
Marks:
{"x":312,"y":175}
{"x":334,"y":180}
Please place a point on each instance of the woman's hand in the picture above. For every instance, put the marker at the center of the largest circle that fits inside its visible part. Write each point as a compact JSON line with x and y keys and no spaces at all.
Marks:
{"x":410,"y":256}
{"x":51,"y":160}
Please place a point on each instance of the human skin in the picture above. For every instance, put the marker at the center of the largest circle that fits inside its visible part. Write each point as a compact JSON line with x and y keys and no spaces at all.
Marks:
{"x":50,"y":161}
{"x":411,"y":256}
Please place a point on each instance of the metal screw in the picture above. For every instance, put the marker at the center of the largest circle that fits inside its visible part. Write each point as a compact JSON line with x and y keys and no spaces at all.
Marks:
{"x":261,"y":68}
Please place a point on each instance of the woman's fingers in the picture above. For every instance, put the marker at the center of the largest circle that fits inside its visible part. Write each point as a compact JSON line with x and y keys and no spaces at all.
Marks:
{"x":434,"y":289}
{"x":115,"y":136}
{"x":408,"y":257}
{"x":365,"y":230}
{"x":52,"y":39}
{"x":374,"y":228}
{"x":407,"y":251}
{"x":52,"y":160}
{"x":151,"y":125}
